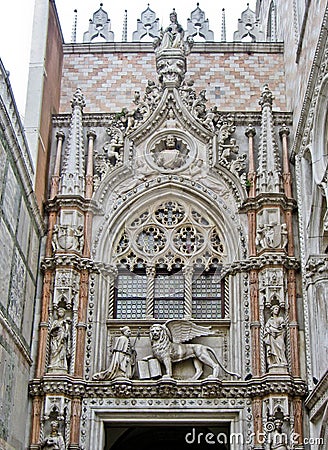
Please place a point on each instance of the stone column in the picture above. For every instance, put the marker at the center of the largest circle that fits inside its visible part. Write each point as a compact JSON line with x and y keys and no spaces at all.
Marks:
{"x":75,"y":424}
{"x":257,"y":422}
{"x":43,"y":326}
{"x":89,"y":171}
{"x":81,"y":324}
{"x":293,"y":323}
{"x":36,"y":421}
{"x":56,"y":174}
{"x":188,"y":273}
{"x":250,"y":133}
{"x":284,"y":132}
{"x":255,"y":323}
{"x":298,"y":421}
{"x":151,"y":272}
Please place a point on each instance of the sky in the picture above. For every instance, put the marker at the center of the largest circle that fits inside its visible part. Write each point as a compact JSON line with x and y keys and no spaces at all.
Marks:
{"x":16,"y":26}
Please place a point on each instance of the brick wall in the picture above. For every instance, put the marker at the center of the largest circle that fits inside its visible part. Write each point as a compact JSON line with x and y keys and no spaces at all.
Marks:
{"x":232,"y":74}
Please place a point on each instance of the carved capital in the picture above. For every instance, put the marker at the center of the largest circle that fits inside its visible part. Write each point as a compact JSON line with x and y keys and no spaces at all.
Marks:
{"x":250,"y":131}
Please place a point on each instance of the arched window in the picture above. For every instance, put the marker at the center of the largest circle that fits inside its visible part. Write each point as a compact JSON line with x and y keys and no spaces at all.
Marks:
{"x":169,"y":261}
{"x":272,"y":23}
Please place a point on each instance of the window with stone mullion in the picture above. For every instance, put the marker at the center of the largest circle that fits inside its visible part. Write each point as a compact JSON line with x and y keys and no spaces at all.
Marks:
{"x":207,"y":295}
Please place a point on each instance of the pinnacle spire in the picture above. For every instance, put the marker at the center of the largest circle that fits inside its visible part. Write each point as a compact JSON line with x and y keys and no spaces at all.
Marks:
{"x":74,"y":27}
{"x":223,"y":27}
{"x":72,"y":181}
{"x":269,"y":170}
{"x":125,"y":27}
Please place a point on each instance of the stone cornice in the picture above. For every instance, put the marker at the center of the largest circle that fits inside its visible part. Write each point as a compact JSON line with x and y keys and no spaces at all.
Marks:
{"x":168,"y":388}
{"x":198,"y":47}
{"x":268,"y":200}
{"x":76,"y":262}
{"x":257,"y":263}
{"x":73,"y":201}
{"x":240,"y":118}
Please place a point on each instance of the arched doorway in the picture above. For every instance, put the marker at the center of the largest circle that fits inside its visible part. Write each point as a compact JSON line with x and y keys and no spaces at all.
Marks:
{"x":168,"y":437}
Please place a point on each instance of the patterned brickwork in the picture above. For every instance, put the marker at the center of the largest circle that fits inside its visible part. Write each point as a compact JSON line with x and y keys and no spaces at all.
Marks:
{"x":233,"y":81}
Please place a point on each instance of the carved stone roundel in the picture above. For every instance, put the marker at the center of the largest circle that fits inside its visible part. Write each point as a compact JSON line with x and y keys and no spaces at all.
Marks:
{"x":170,"y":152}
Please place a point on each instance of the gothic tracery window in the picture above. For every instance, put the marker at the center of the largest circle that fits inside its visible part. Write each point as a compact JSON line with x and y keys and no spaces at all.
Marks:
{"x":169,"y":259}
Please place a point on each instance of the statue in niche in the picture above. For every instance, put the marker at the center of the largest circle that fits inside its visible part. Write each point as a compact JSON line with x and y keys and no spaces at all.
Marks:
{"x":123,"y":358}
{"x":274,"y":339}
{"x":169,"y":345}
{"x":55,"y":440}
{"x":278,"y":440}
{"x":60,"y":343}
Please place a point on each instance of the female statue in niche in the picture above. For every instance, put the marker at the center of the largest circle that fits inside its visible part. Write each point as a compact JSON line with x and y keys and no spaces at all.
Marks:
{"x":274,"y":339}
{"x":60,"y":342}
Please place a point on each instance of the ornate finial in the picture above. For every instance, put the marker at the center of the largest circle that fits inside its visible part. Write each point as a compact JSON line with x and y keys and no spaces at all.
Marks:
{"x":125,"y":27}
{"x":266,"y":97}
{"x":99,"y":27}
{"x":250,"y":131}
{"x":197,"y":25}
{"x":78,"y":99}
{"x":73,"y":39}
{"x":223,"y":27}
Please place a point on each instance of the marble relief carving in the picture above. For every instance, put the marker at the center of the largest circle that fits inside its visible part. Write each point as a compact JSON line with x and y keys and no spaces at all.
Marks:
{"x":170,"y":345}
{"x":123,"y":359}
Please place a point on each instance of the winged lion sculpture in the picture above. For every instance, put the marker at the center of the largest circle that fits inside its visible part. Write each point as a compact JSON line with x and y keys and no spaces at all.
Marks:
{"x":169,"y":345}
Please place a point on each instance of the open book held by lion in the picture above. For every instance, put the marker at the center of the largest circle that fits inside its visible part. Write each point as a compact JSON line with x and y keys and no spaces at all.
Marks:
{"x":169,"y":345}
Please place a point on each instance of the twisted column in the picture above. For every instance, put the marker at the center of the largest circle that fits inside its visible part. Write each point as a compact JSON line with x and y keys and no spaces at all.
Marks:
{"x":188,"y":274}
{"x":111,"y":293}
{"x":150,"y":272}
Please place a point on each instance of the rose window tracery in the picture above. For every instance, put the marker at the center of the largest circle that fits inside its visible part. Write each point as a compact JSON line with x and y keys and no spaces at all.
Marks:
{"x":171,"y":234}
{"x":151,"y":240}
{"x":188,"y":239}
{"x":169,"y":213}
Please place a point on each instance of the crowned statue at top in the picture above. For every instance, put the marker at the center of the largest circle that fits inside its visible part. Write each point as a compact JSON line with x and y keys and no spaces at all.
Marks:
{"x":171,"y":49}
{"x":173,"y":37}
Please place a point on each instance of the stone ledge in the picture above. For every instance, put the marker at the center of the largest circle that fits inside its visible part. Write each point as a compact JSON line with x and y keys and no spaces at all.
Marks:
{"x":168,"y":388}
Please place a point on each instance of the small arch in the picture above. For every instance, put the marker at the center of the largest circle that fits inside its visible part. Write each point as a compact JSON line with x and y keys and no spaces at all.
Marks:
{"x":272,"y":23}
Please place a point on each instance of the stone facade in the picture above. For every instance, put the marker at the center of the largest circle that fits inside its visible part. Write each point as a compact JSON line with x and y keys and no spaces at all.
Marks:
{"x":21,"y":228}
{"x":184,"y":270}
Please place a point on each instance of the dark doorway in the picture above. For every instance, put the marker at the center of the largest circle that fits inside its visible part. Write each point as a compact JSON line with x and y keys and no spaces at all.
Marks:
{"x":168,"y":437}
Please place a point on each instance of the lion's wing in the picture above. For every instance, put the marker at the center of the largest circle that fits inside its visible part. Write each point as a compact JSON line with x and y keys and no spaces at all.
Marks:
{"x":183,"y":330}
